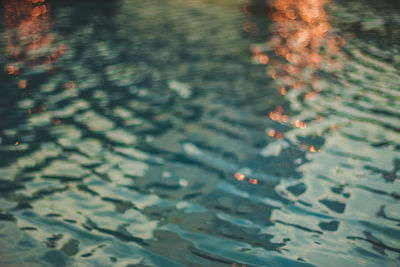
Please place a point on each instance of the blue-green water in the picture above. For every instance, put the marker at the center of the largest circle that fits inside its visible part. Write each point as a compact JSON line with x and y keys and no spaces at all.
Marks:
{"x":137,"y":133}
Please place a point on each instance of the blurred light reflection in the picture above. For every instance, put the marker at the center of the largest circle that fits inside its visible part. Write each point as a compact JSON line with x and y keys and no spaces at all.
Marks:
{"x":304,"y":42}
{"x":29,"y":40}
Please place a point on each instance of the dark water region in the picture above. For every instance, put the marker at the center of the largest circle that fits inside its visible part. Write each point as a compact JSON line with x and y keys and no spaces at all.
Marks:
{"x":200,"y":133}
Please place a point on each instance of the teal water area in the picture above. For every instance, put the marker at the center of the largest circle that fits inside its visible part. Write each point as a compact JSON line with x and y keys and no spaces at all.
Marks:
{"x":153,"y":133}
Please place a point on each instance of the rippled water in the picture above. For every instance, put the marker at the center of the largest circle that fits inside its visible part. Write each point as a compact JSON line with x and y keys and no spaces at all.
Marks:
{"x":150,"y":133}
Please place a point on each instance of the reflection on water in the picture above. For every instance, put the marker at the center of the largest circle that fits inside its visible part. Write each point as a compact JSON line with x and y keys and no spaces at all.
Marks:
{"x":28,"y":36}
{"x":147,"y":133}
{"x":345,"y":122}
{"x":305,"y":45}
{"x":303,"y":37}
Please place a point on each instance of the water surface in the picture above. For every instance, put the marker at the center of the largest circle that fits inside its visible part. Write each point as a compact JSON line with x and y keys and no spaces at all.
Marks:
{"x":170,"y":133}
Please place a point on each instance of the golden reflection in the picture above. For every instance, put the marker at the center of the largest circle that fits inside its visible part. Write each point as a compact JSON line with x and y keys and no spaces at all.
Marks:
{"x":253,"y":181}
{"x":22,"y":84}
{"x":259,"y":56}
{"x":238,"y":265}
{"x":303,"y":42}
{"x":241,"y":177}
{"x":29,"y":38}
{"x":276,"y":115}
{"x":69,"y":85}
{"x":275,"y":134}
{"x":56,"y":121}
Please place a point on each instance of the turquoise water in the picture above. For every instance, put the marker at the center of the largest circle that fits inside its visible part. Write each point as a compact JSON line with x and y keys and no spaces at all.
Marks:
{"x":152,"y":133}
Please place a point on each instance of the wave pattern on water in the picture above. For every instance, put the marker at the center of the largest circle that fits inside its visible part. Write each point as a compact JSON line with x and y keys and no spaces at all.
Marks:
{"x":145,"y":143}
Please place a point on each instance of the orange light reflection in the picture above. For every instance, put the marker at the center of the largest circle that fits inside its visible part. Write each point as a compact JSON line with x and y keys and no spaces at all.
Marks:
{"x":304,"y":44}
{"x":28,"y":35}
{"x":304,"y":40}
